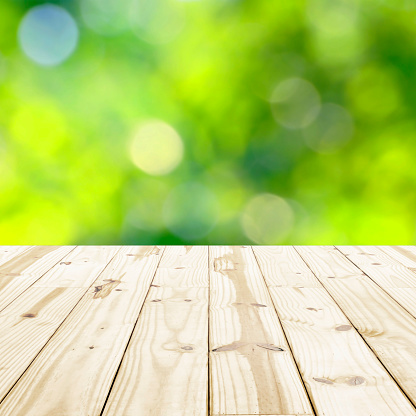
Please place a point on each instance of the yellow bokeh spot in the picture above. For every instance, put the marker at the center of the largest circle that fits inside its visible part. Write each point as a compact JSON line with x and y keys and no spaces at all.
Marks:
{"x":156,"y":148}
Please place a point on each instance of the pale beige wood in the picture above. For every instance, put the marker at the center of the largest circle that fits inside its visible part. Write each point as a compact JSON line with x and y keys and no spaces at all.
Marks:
{"x":342,"y":375}
{"x":79,"y":268}
{"x":27,"y":324}
{"x":283,"y":268}
{"x":386,"y":327}
{"x":8,"y":252}
{"x":165,"y":369}
{"x":388,"y":271}
{"x":21,"y":271}
{"x":74,"y":371}
{"x":183,"y":266}
{"x":383,"y":269}
{"x":252,"y":368}
{"x":33,"y":317}
{"x":406,"y":297}
{"x":406,"y":255}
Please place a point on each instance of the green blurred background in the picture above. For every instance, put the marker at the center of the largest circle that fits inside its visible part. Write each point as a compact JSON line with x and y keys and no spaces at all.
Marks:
{"x":207,"y":121}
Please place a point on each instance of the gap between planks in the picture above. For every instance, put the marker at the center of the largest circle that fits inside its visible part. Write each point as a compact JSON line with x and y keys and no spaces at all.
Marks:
{"x":364,"y":302}
{"x":308,"y":330}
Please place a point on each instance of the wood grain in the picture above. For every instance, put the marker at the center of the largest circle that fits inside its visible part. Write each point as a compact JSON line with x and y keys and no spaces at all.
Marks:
{"x":383,"y":269}
{"x":21,"y":271}
{"x":29,"y":322}
{"x":9,"y":252}
{"x":252,"y":369}
{"x":183,"y":266}
{"x":406,"y":255}
{"x":283,"y":268}
{"x":386,"y":327}
{"x":208,"y":331}
{"x":73,"y":373}
{"x":165,"y":369}
{"x":25,"y":327}
{"x":389,"y":271}
{"x":79,"y":268}
{"x":342,"y":375}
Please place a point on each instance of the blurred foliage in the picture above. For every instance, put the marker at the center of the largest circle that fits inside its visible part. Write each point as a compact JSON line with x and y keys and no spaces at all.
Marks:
{"x":293,"y":121}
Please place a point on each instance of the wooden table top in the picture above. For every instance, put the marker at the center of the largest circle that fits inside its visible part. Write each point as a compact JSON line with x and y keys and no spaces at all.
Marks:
{"x":197,"y":330}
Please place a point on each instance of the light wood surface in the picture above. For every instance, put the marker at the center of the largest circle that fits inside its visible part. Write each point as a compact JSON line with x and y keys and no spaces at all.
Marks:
{"x":252,"y":369}
{"x":23,"y":270}
{"x":331,"y":355}
{"x":201,"y":331}
{"x":384,"y":324}
{"x":74,"y":371}
{"x":165,"y":369}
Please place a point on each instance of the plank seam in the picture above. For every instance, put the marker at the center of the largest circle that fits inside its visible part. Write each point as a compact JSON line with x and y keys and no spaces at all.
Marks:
{"x":381,"y":287}
{"x":356,"y":329}
{"x":131,"y":334}
{"x":40,"y":277}
{"x":57,"y":329}
{"x":286,"y":338}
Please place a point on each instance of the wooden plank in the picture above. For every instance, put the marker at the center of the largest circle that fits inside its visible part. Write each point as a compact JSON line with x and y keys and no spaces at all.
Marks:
{"x":8,"y":252}
{"x":73,"y":373}
{"x":28,"y":322}
{"x":183,"y":266}
{"x":165,"y":368}
{"x":398,"y":280}
{"x":21,"y":271}
{"x":79,"y":268}
{"x":406,"y":255}
{"x":26,"y":325}
{"x":386,"y":327}
{"x":341,"y":373}
{"x":292,"y":272}
{"x":252,"y":368}
{"x":383,"y":269}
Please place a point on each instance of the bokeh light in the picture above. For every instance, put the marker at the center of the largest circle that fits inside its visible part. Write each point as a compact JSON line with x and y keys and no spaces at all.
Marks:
{"x":374,"y":92}
{"x":335,"y":32}
{"x":156,"y":148}
{"x":107,"y":18}
{"x":267,"y":219}
{"x":295,"y":103}
{"x":190,"y":211}
{"x":331,"y":130}
{"x":48,"y":34}
{"x":207,"y":121}
{"x":157,"y":21}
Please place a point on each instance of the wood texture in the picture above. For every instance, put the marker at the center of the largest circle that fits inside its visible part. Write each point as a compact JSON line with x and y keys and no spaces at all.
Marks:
{"x":341,"y":373}
{"x":8,"y":252}
{"x":165,"y":368}
{"x":28,"y":323}
{"x":252,"y":369}
{"x":387,"y":328}
{"x":208,"y":331}
{"x":380,"y":267}
{"x":21,"y":271}
{"x":388,"y":271}
{"x":73,"y":373}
